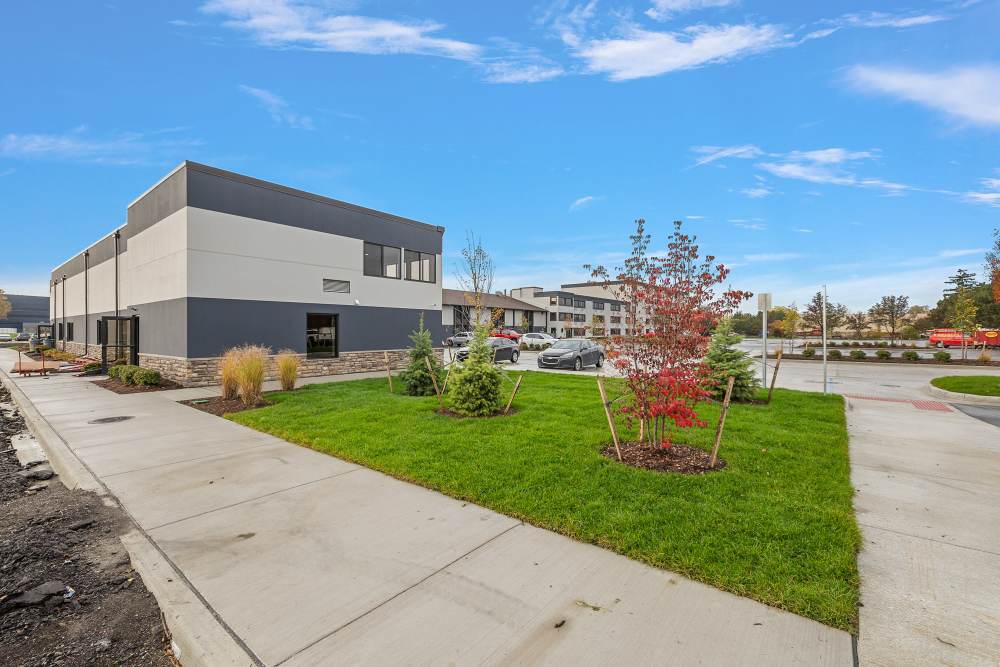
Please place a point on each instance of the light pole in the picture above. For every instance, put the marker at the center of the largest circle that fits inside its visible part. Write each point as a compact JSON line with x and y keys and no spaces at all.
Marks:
{"x":764,"y":305}
{"x":824,"y":340}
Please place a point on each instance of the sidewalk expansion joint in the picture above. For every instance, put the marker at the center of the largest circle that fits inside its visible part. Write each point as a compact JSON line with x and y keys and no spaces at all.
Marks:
{"x":929,"y":539}
{"x":396,"y":595}
{"x":196,"y":458}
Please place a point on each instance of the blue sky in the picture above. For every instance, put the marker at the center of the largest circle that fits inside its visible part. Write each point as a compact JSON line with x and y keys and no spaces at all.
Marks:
{"x":856,"y":144}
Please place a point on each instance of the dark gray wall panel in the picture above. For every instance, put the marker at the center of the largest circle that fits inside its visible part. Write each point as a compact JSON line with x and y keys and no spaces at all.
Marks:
{"x":163,"y":327}
{"x":101,"y":251}
{"x":218,"y":324}
{"x":217,"y":190}
{"x":167,"y":197}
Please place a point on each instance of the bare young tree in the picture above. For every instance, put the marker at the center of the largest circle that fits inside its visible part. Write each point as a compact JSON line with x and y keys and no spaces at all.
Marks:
{"x":889,"y":312}
{"x":475,"y":275}
{"x":858,"y":322}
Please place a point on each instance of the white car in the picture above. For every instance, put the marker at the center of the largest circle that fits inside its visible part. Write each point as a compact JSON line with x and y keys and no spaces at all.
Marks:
{"x":534,"y":338}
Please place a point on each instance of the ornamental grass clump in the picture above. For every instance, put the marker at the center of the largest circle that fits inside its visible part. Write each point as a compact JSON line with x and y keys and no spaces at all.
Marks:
{"x":288,"y":362}
{"x":475,"y":385}
{"x":417,"y":380}
{"x":251,"y":367}
{"x":228,"y":374}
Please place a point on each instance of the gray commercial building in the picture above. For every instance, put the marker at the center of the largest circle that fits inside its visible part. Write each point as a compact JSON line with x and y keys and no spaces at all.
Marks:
{"x":209,"y":259}
{"x":25,"y":312}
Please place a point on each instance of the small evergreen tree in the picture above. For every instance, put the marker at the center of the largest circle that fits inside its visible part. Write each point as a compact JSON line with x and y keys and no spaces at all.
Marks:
{"x":416,"y":378}
{"x":723,"y":360}
{"x":475,"y":386}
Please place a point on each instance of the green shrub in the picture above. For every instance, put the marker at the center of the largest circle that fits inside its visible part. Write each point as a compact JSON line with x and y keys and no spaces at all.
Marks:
{"x":417,"y":380}
{"x":123,"y":372}
{"x":725,"y":360}
{"x":475,"y":385}
{"x":856,"y":344}
{"x":941,"y":355}
{"x":910,"y":355}
{"x":834,"y":354}
{"x":858,"y":354}
{"x":145,"y":377}
{"x":881,"y":343}
{"x":883,"y":354}
{"x":809,"y":352}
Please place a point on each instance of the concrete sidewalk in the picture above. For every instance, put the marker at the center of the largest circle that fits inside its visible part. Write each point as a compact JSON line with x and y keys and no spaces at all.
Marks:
{"x":304,"y":559}
{"x":928,"y":503}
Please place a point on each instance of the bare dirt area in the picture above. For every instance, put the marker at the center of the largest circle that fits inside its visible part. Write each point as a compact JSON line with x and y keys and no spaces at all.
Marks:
{"x":119,"y":387}
{"x":219,"y":406}
{"x":675,"y":458}
{"x":68,"y":594}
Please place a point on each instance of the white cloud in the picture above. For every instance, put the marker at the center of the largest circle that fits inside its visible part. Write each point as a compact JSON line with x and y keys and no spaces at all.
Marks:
{"x":990,"y":198}
{"x":962,"y":252}
{"x":885,"y":20}
{"x":640,"y":53}
{"x":757,"y":193}
{"x":8,"y":171}
{"x":969,"y":93}
{"x":802,"y":230}
{"x":829,"y":155}
{"x":664,"y":9}
{"x":125,"y":148}
{"x":279,"y":109}
{"x":712,"y":153}
{"x":508,"y":71}
{"x":582,"y":201}
{"x":695,"y":217}
{"x":316,"y":26}
{"x":772,"y":257}
{"x":746,"y":224}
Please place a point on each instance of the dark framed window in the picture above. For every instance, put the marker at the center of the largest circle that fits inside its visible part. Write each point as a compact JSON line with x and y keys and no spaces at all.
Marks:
{"x":321,"y":335}
{"x":616,"y":319}
{"x":553,"y":300}
{"x":552,"y":317}
{"x":598,"y":305}
{"x":334,"y":285}
{"x":382,"y":261}
{"x":579,"y":317}
{"x":579,"y":304}
{"x":565,"y":301}
{"x":616,"y":306}
{"x":420,"y":266}
{"x":69,"y":331}
{"x":60,"y":336}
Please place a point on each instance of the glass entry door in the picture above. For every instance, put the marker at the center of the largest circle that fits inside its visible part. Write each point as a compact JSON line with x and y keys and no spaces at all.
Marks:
{"x":119,"y":338}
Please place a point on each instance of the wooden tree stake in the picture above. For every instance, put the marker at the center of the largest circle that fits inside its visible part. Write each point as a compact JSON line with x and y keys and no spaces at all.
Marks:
{"x":611,"y":419}
{"x":774,"y":378}
{"x":388,"y":371}
{"x":447,"y":375}
{"x":513,"y":394}
{"x":722,"y":422}
{"x":434,"y":379}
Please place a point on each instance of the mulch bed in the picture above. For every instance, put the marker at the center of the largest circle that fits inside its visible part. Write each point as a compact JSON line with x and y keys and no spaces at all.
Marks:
{"x":119,"y":387}
{"x":217,"y":406}
{"x":892,"y":360}
{"x":676,"y":458}
{"x":68,"y":594}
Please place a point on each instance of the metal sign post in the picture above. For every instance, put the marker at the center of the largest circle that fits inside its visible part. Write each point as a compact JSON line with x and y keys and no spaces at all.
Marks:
{"x":764,"y":305}
{"x":824,"y":340}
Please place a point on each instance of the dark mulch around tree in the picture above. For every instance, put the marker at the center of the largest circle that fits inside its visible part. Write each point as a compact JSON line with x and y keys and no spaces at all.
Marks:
{"x":119,"y":387}
{"x":872,"y":359}
{"x":676,"y":458}
{"x":68,"y":594}
{"x":216,"y":405}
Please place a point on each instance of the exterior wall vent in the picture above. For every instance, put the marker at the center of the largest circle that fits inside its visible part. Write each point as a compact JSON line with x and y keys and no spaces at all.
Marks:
{"x":339,"y":286}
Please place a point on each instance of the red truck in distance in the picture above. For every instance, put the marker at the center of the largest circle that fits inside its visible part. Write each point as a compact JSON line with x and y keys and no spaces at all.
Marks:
{"x":954,"y":338}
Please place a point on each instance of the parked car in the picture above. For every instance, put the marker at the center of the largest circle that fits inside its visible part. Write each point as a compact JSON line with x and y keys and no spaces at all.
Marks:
{"x":572,"y":353}
{"x":512,"y":334}
{"x":24,"y":335}
{"x":459,"y":338}
{"x":534,"y":338}
{"x":5,"y":338}
{"x":504,"y":349}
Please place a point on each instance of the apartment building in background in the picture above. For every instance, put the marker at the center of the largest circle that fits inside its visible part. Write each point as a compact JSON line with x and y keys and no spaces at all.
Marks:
{"x":577,"y":310}
{"x":209,"y":259}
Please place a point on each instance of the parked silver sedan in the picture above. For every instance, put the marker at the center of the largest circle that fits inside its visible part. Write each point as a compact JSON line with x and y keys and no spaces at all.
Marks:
{"x":572,"y":353}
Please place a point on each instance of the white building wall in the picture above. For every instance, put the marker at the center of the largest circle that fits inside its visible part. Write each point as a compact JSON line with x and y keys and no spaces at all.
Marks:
{"x":233,"y":257}
{"x":157,"y":262}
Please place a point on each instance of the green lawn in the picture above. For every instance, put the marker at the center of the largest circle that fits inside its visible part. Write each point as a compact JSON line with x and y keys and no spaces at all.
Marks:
{"x":981,"y":385}
{"x":775,"y":525}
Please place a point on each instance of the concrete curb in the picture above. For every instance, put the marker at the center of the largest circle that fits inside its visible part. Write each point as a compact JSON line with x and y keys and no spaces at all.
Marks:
{"x":198,"y":638}
{"x":957,"y":397}
{"x":72,"y":473}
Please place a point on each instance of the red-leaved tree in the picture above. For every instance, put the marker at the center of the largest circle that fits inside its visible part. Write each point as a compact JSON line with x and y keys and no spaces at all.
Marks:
{"x":671,"y":304}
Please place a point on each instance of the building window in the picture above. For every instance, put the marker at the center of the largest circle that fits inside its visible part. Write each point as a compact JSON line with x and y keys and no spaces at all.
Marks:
{"x":616,"y":320}
{"x":616,"y":306}
{"x":553,"y":301}
{"x":565,"y":301}
{"x":381,"y":261}
{"x":552,"y":317}
{"x":69,"y":331}
{"x":420,"y":266}
{"x":566,"y":317}
{"x":60,"y":336}
{"x":598,"y":305}
{"x":579,"y":304}
{"x":579,"y":317}
{"x":338,"y":286}
{"x":321,"y":335}
{"x":616,"y":332}
{"x":598,"y":319}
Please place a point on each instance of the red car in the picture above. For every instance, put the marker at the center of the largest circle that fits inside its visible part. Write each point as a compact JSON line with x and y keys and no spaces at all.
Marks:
{"x":507,"y":333}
